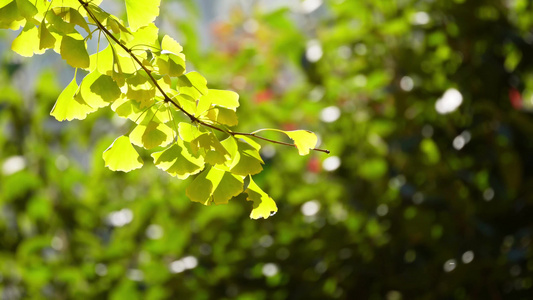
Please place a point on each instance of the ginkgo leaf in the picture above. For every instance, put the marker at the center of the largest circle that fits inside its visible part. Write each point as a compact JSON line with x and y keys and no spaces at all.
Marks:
{"x":97,"y":90}
{"x":178,"y":161}
{"x":74,"y":51}
{"x":170,"y":64}
{"x":152,"y":135}
{"x":213,"y":151}
{"x":141,"y":13}
{"x":215,"y":186}
{"x":303,"y":139}
{"x":11,"y":18}
{"x":227,"y":99}
{"x":141,"y":89}
{"x":192,"y":84}
{"x":46,"y":39}
{"x":26,"y":44}
{"x":69,"y":108}
{"x":220,"y":115}
{"x":170,"y":45}
{"x":188,"y":132}
{"x":121,"y":156}
{"x":26,"y":8}
{"x":245,"y":159}
{"x":263,"y":205}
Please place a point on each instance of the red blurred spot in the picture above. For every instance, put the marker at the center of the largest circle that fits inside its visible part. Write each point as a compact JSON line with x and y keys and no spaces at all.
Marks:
{"x":263,"y":96}
{"x":516,"y":98}
{"x":313,"y":165}
{"x":289,"y":126}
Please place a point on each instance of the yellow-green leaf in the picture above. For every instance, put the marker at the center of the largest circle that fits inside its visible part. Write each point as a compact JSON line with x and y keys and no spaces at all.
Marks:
{"x":220,"y":115}
{"x":170,"y":45}
{"x":227,"y":99}
{"x":193,"y":85}
{"x":141,"y":89}
{"x":26,"y":8}
{"x":303,"y":139}
{"x":74,"y":51}
{"x":178,"y":161}
{"x":121,"y":156}
{"x":141,"y":13}
{"x":263,"y":205}
{"x":152,"y":135}
{"x":27,"y":43}
{"x":98,"y":90}
{"x":245,"y":158}
{"x":46,"y":39}
{"x":67,"y":107}
{"x":215,"y":186}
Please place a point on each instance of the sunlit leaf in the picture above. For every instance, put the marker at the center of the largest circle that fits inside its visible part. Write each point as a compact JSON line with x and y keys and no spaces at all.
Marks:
{"x":220,"y":115}
{"x":74,"y":51}
{"x":263,"y":205}
{"x":141,"y":13}
{"x":303,"y":140}
{"x":178,"y":161}
{"x":26,"y":8}
{"x":98,"y":90}
{"x":227,"y":99}
{"x":209,"y":145}
{"x":141,"y":89}
{"x":245,"y":159}
{"x":27,"y":43}
{"x":215,"y":186}
{"x":46,"y":39}
{"x":67,"y":107}
{"x":121,"y":156}
{"x":192,"y":84}
{"x":152,"y":135}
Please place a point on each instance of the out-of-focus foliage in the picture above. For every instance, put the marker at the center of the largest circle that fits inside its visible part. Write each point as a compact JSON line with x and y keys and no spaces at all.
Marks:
{"x":425,"y":105}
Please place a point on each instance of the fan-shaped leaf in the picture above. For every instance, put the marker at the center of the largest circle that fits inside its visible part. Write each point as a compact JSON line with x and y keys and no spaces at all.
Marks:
{"x":215,"y":186}
{"x":263,"y":205}
{"x":74,"y":51}
{"x":121,"y":156}
{"x":152,"y":135}
{"x":67,"y":107}
{"x":141,"y":13}
{"x":178,"y":161}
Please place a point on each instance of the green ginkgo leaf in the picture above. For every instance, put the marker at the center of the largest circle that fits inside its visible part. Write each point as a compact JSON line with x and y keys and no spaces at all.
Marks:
{"x":98,"y":90}
{"x":11,"y":18}
{"x":69,"y":108}
{"x":141,"y":89}
{"x":121,"y":156}
{"x":263,"y":205}
{"x":170,"y":45}
{"x":227,"y":99}
{"x":26,"y":8}
{"x":303,"y":139}
{"x":152,"y":135}
{"x":224,"y":116}
{"x":208,"y":145}
{"x":74,"y":51}
{"x":215,"y":186}
{"x":46,"y":39}
{"x":193,"y":85}
{"x":141,"y":13}
{"x":27,"y":43}
{"x":245,"y":158}
{"x":178,"y":161}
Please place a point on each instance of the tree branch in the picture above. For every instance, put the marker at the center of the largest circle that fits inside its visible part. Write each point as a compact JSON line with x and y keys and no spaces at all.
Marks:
{"x":167,"y":99}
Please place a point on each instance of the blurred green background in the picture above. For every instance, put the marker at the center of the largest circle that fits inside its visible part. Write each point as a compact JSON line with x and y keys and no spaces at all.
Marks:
{"x":427,"y":193}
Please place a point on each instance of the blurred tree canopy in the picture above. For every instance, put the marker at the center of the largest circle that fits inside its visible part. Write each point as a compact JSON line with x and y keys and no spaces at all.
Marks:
{"x":425,"y":105}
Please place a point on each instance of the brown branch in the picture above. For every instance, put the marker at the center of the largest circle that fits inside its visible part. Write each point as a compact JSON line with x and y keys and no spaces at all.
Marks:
{"x":166,"y":97}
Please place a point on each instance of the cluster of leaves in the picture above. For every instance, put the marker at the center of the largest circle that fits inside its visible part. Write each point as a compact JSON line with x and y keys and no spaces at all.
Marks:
{"x":144,"y":79}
